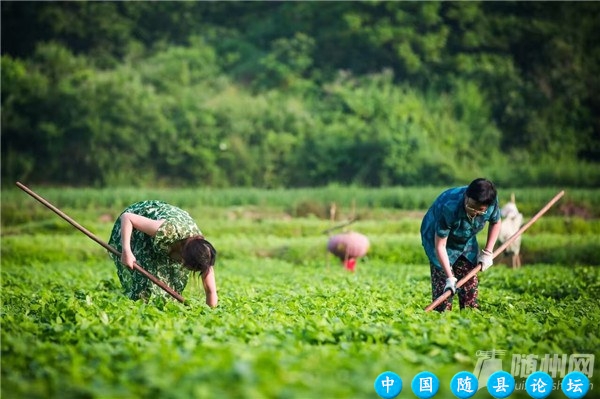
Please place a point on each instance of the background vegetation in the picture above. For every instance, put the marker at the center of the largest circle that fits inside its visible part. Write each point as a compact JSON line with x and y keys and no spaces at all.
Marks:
{"x":256,"y":117}
{"x":299,"y":94}
{"x":291,"y":322}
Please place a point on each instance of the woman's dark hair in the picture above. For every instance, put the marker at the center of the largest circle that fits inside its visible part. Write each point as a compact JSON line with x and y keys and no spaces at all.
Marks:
{"x":198,"y":254}
{"x":482,"y":191}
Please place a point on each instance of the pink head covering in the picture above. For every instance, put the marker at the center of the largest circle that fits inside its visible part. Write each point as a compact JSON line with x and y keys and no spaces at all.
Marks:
{"x":348,"y":245}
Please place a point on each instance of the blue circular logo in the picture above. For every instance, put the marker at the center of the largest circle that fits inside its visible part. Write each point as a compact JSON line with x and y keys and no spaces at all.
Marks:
{"x":464,"y":385}
{"x":388,"y":385}
{"x":501,"y":384}
{"x":575,"y":385}
{"x":425,"y":385}
{"x":539,"y":385}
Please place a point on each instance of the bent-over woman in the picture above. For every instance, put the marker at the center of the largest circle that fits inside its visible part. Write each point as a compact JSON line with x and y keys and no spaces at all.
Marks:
{"x":164,"y":240}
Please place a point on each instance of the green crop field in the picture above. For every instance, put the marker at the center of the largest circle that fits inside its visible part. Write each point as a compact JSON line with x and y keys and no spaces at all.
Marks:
{"x":291,"y":322}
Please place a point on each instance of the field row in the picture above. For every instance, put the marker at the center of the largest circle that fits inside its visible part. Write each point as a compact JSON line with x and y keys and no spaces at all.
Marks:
{"x":350,"y":201}
{"x":291,"y":322}
{"x":282,"y":330}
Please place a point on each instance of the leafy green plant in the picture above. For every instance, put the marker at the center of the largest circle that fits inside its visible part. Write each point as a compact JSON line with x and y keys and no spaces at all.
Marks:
{"x":291,"y":322}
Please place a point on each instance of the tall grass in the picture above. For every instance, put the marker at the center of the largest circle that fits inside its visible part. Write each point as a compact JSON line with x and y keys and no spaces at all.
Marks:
{"x":296,"y":202}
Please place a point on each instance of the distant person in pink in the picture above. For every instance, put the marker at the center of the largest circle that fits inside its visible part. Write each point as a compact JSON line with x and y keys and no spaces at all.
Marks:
{"x":348,"y":247}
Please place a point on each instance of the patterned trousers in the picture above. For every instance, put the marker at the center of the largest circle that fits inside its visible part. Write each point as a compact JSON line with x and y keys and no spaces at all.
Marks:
{"x":467,"y":294}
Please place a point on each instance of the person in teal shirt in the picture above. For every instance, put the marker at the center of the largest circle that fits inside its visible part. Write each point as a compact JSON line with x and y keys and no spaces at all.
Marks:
{"x":449,"y":236}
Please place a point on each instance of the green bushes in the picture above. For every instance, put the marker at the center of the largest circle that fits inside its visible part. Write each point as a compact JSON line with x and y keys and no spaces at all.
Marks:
{"x":174,"y":119}
{"x":299,"y":95}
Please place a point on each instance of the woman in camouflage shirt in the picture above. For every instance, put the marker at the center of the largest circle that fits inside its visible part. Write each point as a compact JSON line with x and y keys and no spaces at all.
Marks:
{"x":165,"y":241}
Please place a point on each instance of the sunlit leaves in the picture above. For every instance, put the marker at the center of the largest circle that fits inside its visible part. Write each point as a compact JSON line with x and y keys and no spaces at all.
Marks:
{"x":290,"y":323}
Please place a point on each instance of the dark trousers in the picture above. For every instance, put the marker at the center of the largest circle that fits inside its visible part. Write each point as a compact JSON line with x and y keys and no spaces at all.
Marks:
{"x":467,"y":294}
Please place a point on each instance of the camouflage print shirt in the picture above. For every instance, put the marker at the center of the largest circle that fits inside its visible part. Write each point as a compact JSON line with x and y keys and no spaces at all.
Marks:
{"x":152,"y":253}
{"x":447,"y":217}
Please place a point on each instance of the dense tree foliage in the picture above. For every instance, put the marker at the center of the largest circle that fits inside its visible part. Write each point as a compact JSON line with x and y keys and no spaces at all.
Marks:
{"x":274,"y":94}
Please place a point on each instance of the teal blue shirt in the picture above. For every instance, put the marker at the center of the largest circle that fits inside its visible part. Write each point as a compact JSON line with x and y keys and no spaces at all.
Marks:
{"x":447,"y":217}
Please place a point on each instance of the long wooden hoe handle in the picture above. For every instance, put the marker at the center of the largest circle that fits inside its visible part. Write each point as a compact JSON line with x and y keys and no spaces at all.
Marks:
{"x":79,"y":227}
{"x":497,"y":252}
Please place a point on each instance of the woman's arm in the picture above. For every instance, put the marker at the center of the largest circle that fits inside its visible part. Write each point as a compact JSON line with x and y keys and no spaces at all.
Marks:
{"x":493,"y":233}
{"x":130,"y":221}
{"x":210,"y":287}
{"x":442,"y":255}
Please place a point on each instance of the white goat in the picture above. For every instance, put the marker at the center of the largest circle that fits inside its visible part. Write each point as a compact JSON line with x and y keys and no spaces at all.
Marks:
{"x":512,"y":220}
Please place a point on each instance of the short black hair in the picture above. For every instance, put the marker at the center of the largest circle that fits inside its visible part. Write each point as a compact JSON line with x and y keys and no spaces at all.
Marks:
{"x":198,"y":254}
{"x":482,"y":191}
